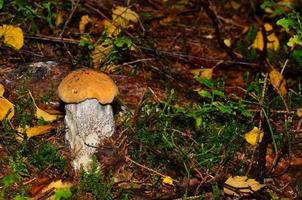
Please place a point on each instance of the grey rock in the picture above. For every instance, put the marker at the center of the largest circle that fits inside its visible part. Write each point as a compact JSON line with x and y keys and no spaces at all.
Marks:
{"x":87,"y":124}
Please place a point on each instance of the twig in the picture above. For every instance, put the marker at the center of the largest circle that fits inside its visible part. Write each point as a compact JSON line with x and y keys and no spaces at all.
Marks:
{"x":52,"y":39}
{"x":69,"y":17}
{"x":206,"y":6}
{"x":145,"y":167}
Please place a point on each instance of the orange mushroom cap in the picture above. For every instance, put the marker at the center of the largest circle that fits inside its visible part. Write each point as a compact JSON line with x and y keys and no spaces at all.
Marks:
{"x":87,"y":83}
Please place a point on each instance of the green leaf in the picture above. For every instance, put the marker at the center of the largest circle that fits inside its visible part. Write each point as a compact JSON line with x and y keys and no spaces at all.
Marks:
{"x":251,"y":34}
{"x":1,"y":4}
{"x":295,"y":40}
{"x":218,"y":93}
{"x":268,"y":3}
{"x":123,"y":41}
{"x":286,"y":23}
{"x":63,"y":193}
{"x":297,"y":56}
{"x":204,"y":93}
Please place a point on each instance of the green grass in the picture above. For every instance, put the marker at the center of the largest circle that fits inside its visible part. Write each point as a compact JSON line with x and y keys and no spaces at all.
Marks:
{"x":93,"y":182}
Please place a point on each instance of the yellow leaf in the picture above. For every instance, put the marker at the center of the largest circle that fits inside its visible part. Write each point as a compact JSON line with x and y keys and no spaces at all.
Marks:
{"x":258,"y":42}
{"x":13,"y":36}
{"x":122,"y":16}
{"x":241,"y":186}
{"x":36,"y":130}
{"x":299,"y":112}
{"x":56,"y":185}
{"x":203,"y":73}
{"x":1,"y":90}
{"x":272,"y":40}
{"x":235,"y":5}
{"x":227,"y":42}
{"x":7,"y":109}
{"x":84,"y":21}
{"x":59,"y":19}
{"x":45,"y":115}
{"x":278,"y":81}
{"x":111,"y":29}
{"x":168,"y":180}
{"x":252,"y":136}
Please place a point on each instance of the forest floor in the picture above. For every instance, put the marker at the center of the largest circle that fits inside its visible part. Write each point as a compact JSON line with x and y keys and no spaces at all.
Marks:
{"x":209,"y":103}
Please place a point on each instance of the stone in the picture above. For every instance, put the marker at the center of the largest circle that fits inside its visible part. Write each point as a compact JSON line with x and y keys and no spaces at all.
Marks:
{"x":87,"y":124}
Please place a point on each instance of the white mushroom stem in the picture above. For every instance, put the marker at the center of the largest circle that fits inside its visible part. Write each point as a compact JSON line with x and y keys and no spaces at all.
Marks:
{"x":87,"y":124}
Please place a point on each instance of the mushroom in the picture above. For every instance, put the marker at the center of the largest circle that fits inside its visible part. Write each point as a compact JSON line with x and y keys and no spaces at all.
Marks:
{"x":89,"y":116}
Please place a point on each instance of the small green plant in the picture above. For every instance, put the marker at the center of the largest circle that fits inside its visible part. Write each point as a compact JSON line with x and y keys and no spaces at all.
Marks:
{"x":18,"y":170}
{"x":94,"y":182}
{"x":47,"y":156}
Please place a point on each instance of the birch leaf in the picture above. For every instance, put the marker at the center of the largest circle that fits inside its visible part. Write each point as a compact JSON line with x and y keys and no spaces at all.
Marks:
{"x":7,"y":109}
{"x":206,"y":73}
{"x":242,"y":186}
{"x":13,"y":36}
{"x":272,"y":40}
{"x":278,"y":81}
{"x":45,"y":115}
{"x":299,"y":112}
{"x":251,"y":136}
{"x":168,"y":180}
{"x":84,"y":21}
{"x":35,"y":130}
{"x":1,"y":90}
{"x":122,"y":16}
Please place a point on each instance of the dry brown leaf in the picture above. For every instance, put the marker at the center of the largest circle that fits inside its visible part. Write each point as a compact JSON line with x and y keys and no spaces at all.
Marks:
{"x":278,"y":81}
{"x":13,"y":36}
{"x":242,"y":186}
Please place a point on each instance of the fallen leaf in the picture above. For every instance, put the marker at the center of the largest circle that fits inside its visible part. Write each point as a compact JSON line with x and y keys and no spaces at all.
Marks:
{"x":56,"y":185}
{"x":1,"y":90}
{"x":84,"y":21}
{"x":278,"y":81}
{"x":59,"y":19}
{"x":299,"y":112}
{"x":206,"y":73}
{"x":235,"y":5}
{"x":227,"y":42}
{"x":34,"y":131}
{"x":241,"y":186}
{"x":45,"y":115}
{"x":7,"y":110}
{"x":252,"y":136}
{"x":41,"y":114}
{"x":111,"y":29}
{"x":168,"y":180}
{"x":122,"y":16}
{"x":272,"y":40}
{"x":13,"y":36}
